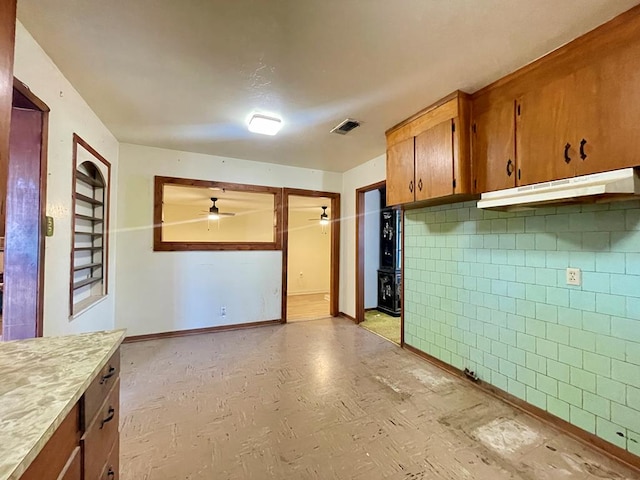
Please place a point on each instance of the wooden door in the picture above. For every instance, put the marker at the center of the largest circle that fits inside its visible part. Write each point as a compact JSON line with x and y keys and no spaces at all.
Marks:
{"x":434,"y":162}
{"x":400,"y":173}
{"x":609,"y":132}
{"x":494,"y":147}
{"x":545,"y":122}
{"x":23,"y":260}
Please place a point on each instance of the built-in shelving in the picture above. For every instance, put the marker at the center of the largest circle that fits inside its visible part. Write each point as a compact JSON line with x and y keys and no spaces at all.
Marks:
{"x":87,"y":266}
{"x":88,"y":257}
{"x":85,"y":282}
{"x":88,"y":218}
{"x":87,"y":199}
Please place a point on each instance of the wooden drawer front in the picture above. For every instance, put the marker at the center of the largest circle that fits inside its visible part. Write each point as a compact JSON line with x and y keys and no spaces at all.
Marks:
{"x":102,"y":434}
{"x":53,"y":458}
{"x":73,"y":468}
{"x":111,"y":470}
{"x":99,"y":389}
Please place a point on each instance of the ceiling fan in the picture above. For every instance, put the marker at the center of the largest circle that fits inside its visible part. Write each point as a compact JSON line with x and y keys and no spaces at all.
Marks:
{"x":324,"y":217}
{"x":214,"y":211}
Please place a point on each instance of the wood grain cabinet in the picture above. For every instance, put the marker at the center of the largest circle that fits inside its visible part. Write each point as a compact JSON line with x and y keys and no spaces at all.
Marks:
{"x":86,"y":444}
{"x":428,"y":155}
{"x":494,"y":146}
{"x":573,"y":112}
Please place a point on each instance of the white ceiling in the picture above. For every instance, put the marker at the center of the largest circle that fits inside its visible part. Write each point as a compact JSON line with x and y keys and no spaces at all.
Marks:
{"x":186,"y":74}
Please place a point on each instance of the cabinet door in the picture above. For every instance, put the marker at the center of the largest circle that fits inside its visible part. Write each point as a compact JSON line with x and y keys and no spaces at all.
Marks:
{"x":609,"y":132}
{"x":400,"y":173}
{"x":494,"y":153}
{"x":434,"y":162}
{"x":545,"y":122}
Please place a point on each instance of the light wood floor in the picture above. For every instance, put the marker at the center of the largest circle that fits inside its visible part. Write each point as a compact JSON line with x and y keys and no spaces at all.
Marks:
{"x":324,"y":400}
{"x":307,"y":307}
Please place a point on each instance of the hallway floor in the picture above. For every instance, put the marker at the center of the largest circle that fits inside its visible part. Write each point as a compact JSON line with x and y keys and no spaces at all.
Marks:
{"x":324,"y":400}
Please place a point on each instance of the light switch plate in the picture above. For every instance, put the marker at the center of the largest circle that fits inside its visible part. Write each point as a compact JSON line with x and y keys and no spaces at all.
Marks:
{"x":49,"y":227}
{"x":574,"y":276}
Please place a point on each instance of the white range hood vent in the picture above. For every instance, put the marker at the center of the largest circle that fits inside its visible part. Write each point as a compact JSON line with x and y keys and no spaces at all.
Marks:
{"x":596,"y":188}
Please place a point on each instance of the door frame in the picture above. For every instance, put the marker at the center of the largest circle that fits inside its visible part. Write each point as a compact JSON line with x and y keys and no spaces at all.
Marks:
{"x":360,"y":217}
{"x":38,"y":105}
{"x":334,"y":279}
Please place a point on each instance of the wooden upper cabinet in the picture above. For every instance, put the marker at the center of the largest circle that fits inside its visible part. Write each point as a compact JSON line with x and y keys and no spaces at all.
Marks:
{"x":545,"y":124}
{"x":400,"y":172}
{"x":494,"y":147}
{"x":434,"y":162}
{"x":577,"y":111}
{"x":610,"y":135}
{"x":429,"y":155}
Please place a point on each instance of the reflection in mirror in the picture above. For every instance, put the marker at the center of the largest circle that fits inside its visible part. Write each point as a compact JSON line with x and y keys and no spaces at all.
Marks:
{"x":201,"y":215}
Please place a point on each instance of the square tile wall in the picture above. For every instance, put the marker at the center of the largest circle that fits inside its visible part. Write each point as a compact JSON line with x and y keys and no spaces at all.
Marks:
{"x":487,"y":291}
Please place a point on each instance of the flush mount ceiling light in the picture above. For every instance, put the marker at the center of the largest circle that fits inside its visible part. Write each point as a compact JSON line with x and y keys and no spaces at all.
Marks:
{"x":264,"y":124}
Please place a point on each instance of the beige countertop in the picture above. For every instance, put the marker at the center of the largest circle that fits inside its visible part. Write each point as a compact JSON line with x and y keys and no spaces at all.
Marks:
{"x":41,"y":379}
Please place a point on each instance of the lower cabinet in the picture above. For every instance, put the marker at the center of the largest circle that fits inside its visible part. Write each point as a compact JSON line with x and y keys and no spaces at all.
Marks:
{"x":86,"y":444}
{"x":100,"y":438}
{"x":389,"y":298}
{"x":59,"y":458}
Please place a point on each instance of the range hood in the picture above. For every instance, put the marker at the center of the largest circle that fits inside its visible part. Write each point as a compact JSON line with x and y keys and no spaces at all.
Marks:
{"x":596,"y":188}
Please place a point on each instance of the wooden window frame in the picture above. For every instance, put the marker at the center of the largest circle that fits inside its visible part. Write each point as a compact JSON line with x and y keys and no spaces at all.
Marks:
{"x":106,"y":212}
{"x":161,"y":246}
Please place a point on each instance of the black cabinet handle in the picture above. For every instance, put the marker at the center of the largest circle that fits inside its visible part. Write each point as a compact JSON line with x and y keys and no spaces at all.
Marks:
{"x":583,"y":155}
{"x":107,"y":376}
{"x":111,"y":473}
{"x":108,"y":418}
{"x":420,"y":185}
{"x":509,"y":168}
{"x":411,"y":186}
{"x":567,"y":158}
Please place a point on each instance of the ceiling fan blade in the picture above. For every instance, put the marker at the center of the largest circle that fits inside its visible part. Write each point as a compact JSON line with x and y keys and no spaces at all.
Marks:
{"x":228,"y":214}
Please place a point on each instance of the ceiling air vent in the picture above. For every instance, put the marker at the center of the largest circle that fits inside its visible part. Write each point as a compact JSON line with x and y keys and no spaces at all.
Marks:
{"x":345,"y":126}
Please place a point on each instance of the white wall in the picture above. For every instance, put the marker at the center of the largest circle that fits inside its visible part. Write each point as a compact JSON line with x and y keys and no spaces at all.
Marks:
{"x":309,"y":255}
{"x":69,"y":114}
{"x":368,"y":173}
{"x":167,"y":291}
{"x":371,"y":247}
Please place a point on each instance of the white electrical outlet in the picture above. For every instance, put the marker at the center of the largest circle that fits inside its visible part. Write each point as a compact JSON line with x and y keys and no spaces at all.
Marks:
{"x":223,"y":311}
{"x":574,"y":276}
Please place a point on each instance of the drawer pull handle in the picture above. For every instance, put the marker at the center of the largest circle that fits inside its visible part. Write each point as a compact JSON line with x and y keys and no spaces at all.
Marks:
{"x":567,"y":158}
{"x":108,"y":418}
{"x":420,"y":185}
{"x":509,"y":168}
{"x":107,"y":376}
{"x":111,"y":473}
{"x":583,"y":155}
{"x":411,"y":186}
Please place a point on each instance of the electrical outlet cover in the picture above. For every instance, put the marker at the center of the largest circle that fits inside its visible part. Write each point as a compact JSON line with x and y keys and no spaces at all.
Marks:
{"x":574,"y":276}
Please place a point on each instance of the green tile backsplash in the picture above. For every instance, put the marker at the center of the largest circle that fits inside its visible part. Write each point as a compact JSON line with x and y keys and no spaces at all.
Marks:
{"x":487,"y":290}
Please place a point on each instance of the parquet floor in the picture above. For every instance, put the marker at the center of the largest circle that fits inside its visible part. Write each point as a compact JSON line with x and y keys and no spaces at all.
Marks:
{"x":324,"y":400}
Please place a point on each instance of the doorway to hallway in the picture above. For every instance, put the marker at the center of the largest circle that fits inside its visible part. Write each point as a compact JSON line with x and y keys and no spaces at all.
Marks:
{"x":378,"y":263}
{"x":310,"y":254}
